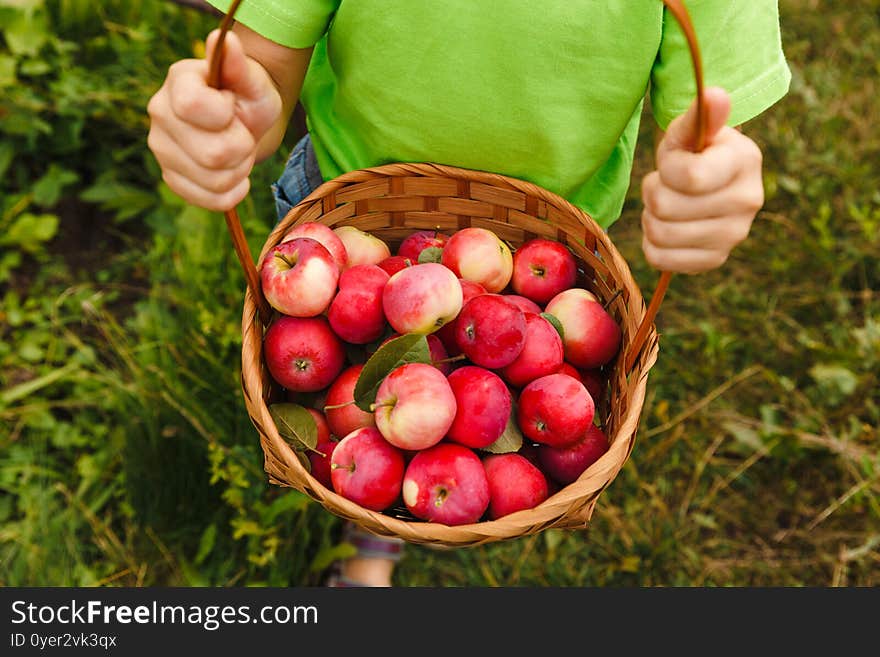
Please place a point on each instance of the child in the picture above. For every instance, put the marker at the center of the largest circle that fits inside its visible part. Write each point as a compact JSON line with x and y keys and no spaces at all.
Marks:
{"x":550,"y":92}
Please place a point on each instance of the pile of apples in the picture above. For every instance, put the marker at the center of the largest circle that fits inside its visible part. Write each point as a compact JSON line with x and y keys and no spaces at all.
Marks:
{"x":456,"y":377}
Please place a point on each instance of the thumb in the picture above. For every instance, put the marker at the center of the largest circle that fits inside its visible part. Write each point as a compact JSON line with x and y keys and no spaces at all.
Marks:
{"x":235,"y":70}
{"x":682,"y":131}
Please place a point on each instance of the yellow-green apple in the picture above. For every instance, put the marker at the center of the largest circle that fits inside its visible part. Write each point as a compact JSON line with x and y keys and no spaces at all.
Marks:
{"x":446,"y":484}
{"x":483,"y":405}
{"x":413,"y":244}
{"x":299,"y":277}
{"x":542,"y":268}
{"x":514,"y":484}
{"x":366,"y":469}
{"x":541,"y":354}
{"x":566,"y":464}
{"x":525,"y":304}
{"x":325,"y":235}
{"x":414,"y":406}
{"x":421,"y":298}
{"x":393,"y":264}
{"x":362,"y":247}
{"x":446,"y":333}
{"x":490,"y":330}
{"x":303,"y":354}
{"x":343,"y":415}
{"x":356,"y":313}
{"x":591,"y":337}
{"x":319,"y":457}
{"x":479,"y":255}
{"x":555,"y":410}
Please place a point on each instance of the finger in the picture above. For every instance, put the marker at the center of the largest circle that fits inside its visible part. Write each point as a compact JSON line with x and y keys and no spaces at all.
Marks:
{"x":722,"y":233}
{"x":683,"y":261}
{"x":217,"y":181}
{"x":704,"y":172}
{"x":236,"y":73}
{"x":194,"y":102}
{"x":226,"y":149}
{"x":197,"y":195}
{"x":745,"y":194}
{"x":682,"y":131}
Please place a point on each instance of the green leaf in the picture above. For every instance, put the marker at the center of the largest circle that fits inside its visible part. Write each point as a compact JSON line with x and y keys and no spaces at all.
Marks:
{"x":431,"y":254}
{"x":7,"y":152}
{"x":48,"y":189}
{"x":29,"y":230}
{"x":7,"y":71}
{"x":290,"y":500}
{"x":206,"y":543}
{"x":408,"y":348}
{"x":330,"y":555}
{"x":556,"y":324}
{"x":296,"y":425}
{"x":26,"y":32}
{"x":511,"y":439}
{"x":125,"y":200}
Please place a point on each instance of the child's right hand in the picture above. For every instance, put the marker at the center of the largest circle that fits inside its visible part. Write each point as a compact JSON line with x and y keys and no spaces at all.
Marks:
{"x":206,"y":140}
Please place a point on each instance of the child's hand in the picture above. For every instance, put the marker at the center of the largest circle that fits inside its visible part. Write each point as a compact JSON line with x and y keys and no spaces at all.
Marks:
{"x":699,"y":206}
{"x":205,"y":139}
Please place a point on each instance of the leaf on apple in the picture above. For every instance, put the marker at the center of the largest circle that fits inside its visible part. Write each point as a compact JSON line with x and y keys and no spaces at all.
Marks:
{"x":511,"y":439}
{"x":556,"y":323}
{"x":296,"y":425}
{"x":431,"y":254}
{"x":408,"y":348}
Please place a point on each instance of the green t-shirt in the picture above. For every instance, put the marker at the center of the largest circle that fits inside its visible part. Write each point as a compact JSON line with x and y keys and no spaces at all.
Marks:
{"x":550,"y":92}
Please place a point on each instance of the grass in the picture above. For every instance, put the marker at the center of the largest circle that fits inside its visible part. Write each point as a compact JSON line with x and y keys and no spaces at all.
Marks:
{"x":127,"y":458}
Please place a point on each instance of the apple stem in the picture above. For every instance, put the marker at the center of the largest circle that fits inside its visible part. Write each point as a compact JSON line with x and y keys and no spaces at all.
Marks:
{"x":284,"y":259}
{"x":451,"y":359}
{"x":374,"y":406}
{"x":342,"y":405}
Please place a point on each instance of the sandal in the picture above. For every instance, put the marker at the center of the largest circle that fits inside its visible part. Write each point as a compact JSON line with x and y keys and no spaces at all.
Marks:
{"x":368,"y":546}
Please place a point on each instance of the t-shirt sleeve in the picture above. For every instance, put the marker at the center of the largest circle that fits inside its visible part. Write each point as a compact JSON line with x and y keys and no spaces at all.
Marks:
{"x":741,"y":50}
{"x":291,"y":23}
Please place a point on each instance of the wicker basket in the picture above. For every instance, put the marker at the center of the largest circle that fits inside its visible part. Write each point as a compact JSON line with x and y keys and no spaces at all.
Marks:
{"x":391,"y":202}
{"x":394,"y":200}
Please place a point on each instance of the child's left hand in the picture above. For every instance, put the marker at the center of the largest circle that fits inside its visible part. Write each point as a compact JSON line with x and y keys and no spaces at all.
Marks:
{"x":699,"y":206}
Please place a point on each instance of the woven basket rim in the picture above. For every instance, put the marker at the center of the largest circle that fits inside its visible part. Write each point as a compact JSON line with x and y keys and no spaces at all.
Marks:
{"x":580,"y":495}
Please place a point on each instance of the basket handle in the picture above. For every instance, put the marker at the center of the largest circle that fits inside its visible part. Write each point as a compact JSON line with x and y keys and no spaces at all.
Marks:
{"x":677,"y":8}
{"x":233,"y":223}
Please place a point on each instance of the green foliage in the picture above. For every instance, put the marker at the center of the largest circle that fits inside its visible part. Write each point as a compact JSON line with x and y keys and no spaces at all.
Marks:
{"x":126,"y":453}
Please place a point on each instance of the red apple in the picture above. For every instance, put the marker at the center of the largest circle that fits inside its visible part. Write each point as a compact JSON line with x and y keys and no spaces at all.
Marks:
{"x":541,"y":354}
{"x":325,"y":235}
{"x":356,"y":313}
{"x":490,"y":331}
{"x":361,"y":247}
{"x":566,"y":464}
{"x":447,"y":484}
{"x":343,"y":415}
{"x":446,"y":333}
{"x":555,"y":410}
{"x":303,"y":354}
{"x":514,"y":484}
{"x":299,"y":277}
{"x":591,"y":337}
{"x":479,"y":255}
{"x":542,"y":268}
{"x":421,"y":298}
{"x":413,"y":244}
{"x":525,"y":304}
{"x":483,"y":406}
{"x":393,"y":264}
{"x":594,"y":382}
{"x":414,"y":406}
{"x":367,"y":470}
{"x":319,"y":458}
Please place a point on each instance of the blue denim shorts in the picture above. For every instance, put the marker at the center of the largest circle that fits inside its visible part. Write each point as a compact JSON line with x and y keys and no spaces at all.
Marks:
{"x":301,"y":176}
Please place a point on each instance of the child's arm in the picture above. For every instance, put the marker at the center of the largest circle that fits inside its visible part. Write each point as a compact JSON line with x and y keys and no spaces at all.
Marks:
{"x":699,"y":206}
{"x":207,"y":140}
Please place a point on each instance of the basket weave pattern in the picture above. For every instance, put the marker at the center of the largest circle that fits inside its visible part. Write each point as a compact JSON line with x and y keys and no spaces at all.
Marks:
{"x":390,"y":202}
